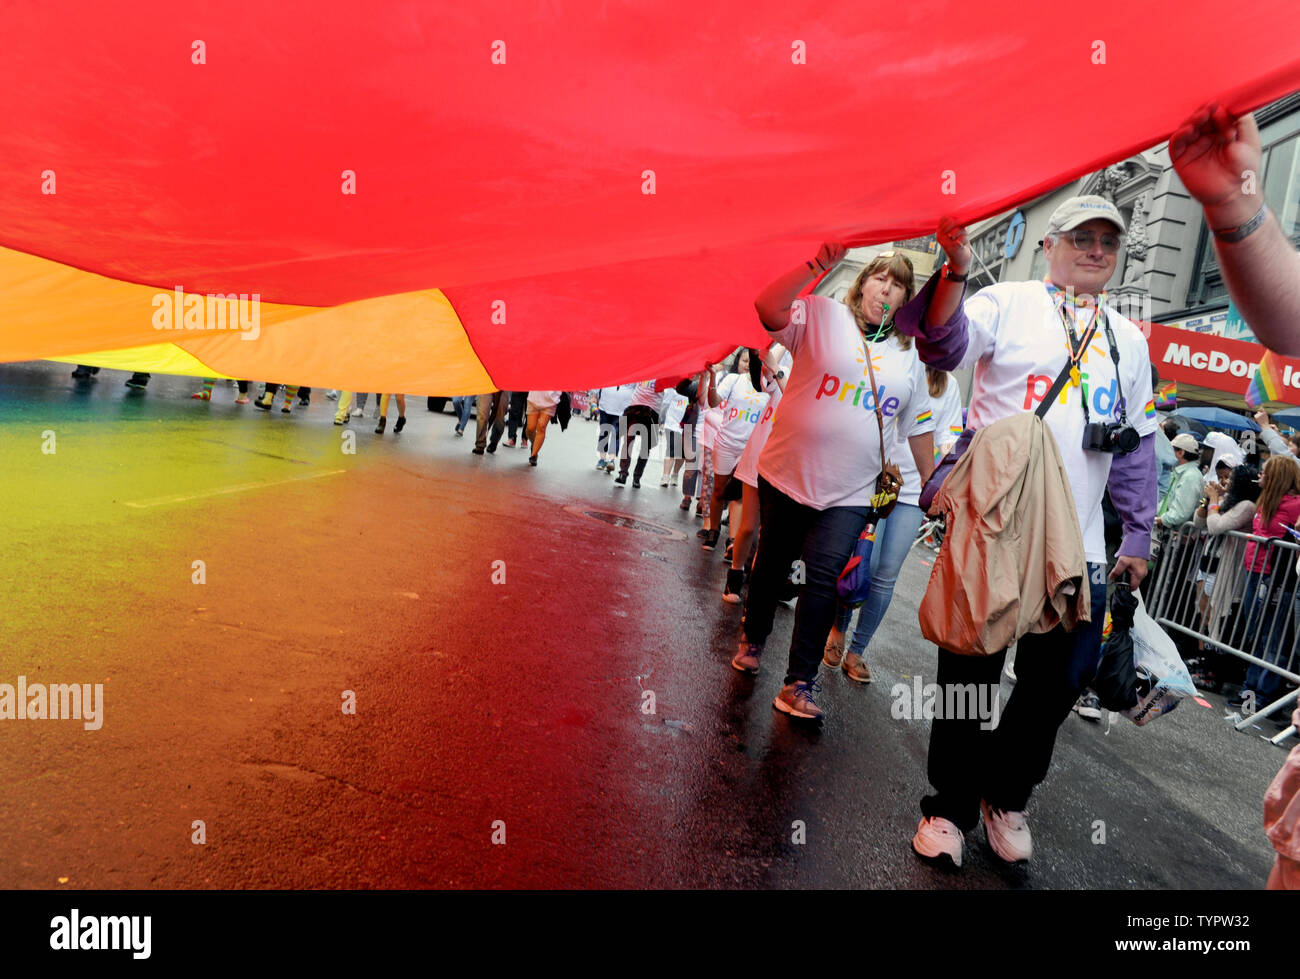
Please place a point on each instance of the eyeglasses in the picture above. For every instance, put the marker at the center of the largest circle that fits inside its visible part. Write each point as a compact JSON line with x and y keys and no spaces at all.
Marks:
{"x":1084,"y":241}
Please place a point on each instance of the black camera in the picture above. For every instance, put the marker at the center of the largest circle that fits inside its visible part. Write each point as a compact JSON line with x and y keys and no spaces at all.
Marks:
{"x":1110,"y":437}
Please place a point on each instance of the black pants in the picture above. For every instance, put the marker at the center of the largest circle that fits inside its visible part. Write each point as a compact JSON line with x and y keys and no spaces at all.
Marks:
{"x":638,"y":421}
{"x":823,"y":540}
{"x":969,"y":759}
{"x":515,"y":418}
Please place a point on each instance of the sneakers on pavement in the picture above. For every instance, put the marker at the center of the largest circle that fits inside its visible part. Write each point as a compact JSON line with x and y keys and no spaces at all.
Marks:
{"x":856,"y":668}
{"x":735,"y":583}
{"x":1088,"y":706}
{"x":747,"y":657}
{"x":532,"y":460}
{"x":796,"y":699}
{"x":401,"y":423}
{"x":939,"y":839}
{"x":636,"y":482}
{"x":264,"y":402}
{"x":1007,"y":833}
{"x":621,"y":478}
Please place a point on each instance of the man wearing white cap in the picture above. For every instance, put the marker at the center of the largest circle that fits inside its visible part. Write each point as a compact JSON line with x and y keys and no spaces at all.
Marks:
{"x":1179,"y":504}
{"x":1022,"y":338}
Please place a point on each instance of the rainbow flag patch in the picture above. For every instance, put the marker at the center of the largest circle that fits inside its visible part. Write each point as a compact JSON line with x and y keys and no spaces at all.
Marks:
{"x":925,"y":416}
{"x":1150,"y":409}
{"x":955,"y":430}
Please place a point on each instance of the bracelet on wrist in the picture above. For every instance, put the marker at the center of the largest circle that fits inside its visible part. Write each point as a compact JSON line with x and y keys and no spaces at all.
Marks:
{"x":1230,"y":235}
{"x":952,"y":276}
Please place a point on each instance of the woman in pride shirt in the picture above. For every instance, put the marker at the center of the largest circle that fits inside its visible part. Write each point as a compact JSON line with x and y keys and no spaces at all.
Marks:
{"x":741,"y":398}
{"x":819,"y":468}
{"x":776,"y":368}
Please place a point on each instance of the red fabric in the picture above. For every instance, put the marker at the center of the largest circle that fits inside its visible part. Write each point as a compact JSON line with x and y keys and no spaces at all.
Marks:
{"x":523,"y":181}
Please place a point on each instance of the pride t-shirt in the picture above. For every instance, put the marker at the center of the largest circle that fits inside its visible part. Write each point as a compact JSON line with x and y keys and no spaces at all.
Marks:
{"x":645,"y":395}
{"x":742,"y":407}
{"x":1018,"y":346}
{"x":948,"y":424}
{"x":824,"y":449}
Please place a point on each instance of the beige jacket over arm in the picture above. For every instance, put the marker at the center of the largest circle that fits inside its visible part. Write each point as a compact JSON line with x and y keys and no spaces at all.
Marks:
{"x":1012,"y":561}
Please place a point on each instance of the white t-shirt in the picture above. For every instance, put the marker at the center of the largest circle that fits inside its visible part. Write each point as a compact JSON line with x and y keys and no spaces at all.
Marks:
{"x":948,"y":424}
{"x":824,"y":449}
{"x":1018,"y":346}
{"x":671,"y":410}
{"x":709,"y":429}
{"x":742,"y":407}
{"x":614,"y":401}
{"x":645,"y":395}
{"x":901,"y":455}
{"x":543,"y":400}
{"x":747,"y":467}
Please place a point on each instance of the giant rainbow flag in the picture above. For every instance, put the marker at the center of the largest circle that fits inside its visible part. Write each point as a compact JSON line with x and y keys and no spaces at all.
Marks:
{"x":450,"y":198}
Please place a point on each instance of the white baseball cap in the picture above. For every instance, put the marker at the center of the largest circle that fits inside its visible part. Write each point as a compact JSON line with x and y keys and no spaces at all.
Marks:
{"x":1186,"y":442}
{"x":1077,"y":210}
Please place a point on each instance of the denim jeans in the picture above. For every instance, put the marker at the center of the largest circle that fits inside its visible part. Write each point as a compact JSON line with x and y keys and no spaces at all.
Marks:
{"x":607,"y":437}
{"x":464,"y":409}
{"x":894,"y":537}
{"x":824,"y":540}
{"x":1272,"y":627}
{"x":970,"y":761}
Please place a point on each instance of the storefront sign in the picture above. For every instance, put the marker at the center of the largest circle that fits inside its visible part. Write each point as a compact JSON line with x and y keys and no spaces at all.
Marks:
{"x":1217,"y":363}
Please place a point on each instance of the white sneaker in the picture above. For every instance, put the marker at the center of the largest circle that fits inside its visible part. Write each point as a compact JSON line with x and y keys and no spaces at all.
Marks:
{"x":1007,"y":833}
{"x":357,"y":412}
{"x":664,"y":481}
{"x":939,"y":839}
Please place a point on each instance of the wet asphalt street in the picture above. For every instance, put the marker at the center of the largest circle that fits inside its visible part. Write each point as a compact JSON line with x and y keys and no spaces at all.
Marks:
{"x":512,"y":709}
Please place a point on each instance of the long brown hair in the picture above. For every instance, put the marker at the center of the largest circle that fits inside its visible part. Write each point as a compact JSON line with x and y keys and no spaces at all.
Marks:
{"x":1281,"y":478}
{"x":937,"y":381}
{"x":897,"y":265}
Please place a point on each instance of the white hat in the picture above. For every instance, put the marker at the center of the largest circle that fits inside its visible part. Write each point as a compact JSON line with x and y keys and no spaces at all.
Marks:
{"x":1078,"y":210}
{"x":1186,"y":442}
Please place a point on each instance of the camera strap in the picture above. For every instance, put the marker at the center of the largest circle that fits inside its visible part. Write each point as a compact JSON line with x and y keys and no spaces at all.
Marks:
{"x":1114,"y":355}
{"x":1070,"y":371}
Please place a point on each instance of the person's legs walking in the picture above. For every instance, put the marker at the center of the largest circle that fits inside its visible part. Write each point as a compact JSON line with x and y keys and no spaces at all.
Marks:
{"x":894,"y":537}
{"x":784,"y":523}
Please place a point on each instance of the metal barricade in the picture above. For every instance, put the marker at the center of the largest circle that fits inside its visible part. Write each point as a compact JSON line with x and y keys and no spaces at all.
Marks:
{"x":1237,"y":594}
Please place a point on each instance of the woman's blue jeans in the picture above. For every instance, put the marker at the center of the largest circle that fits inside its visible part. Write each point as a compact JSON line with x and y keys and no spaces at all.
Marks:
{"x":464,"y":409}
{"x":894,"y":537}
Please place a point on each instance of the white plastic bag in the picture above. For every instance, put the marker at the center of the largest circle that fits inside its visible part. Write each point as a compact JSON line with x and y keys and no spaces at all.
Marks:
{"x":1161,"y":672}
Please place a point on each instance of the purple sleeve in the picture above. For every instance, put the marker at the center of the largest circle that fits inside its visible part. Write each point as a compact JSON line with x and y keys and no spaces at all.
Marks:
{"x":1132,"y":486}
{"x":941,"y":347}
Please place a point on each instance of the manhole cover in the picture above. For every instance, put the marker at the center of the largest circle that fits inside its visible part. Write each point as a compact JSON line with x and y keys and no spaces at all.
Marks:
{"x":627,"y":522}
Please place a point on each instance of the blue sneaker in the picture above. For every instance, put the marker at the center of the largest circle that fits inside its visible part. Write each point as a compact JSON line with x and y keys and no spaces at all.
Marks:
{"x":747,"y":656}
{"x":796,"y":699}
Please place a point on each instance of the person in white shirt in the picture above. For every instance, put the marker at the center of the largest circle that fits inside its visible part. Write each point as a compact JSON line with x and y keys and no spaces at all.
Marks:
{"x":856,"y":385}
{"x":776,"y":367}
{"x":1020,"y":337}
{"x":612,"y":402}
{"x":640,"y":421}
{"x":540,"y":408}
{"x":671,"y":409}
{"x":741,"y":399}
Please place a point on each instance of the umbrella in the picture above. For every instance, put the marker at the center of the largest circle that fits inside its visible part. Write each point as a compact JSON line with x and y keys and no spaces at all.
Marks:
{"x":1189,"y":425}
{"x":1291,"y":418}
{"x":1219,"y":418}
